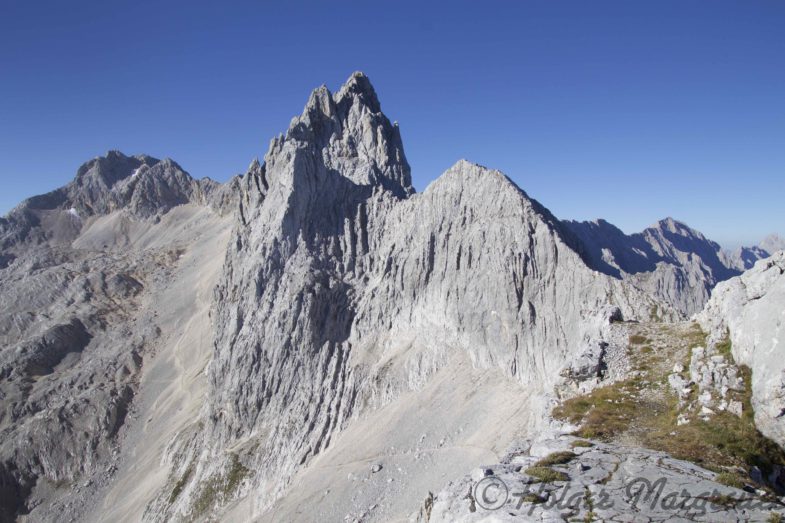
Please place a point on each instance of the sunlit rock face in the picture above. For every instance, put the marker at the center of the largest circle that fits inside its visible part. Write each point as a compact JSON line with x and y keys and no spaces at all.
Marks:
{"x":79,"y":268}
{"x":751,"y":310}
{"x":343,"y":290}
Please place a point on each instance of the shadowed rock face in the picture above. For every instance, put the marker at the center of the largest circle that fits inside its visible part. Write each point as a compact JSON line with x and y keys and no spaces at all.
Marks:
{"x":39,"y":357}
{"x":744,"y":258}
{"x":668,"y":260}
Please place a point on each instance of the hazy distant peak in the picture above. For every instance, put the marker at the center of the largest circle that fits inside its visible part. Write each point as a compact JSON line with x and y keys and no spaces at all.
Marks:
{"x":772,"y":243}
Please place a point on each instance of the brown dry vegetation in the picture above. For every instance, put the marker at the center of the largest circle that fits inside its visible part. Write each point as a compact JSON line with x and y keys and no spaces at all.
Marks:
{"x":643,"y":410}
{"x":546,"y":474}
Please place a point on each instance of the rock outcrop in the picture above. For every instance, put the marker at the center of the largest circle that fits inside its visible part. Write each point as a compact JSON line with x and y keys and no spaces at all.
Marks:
{"x":593,"y":482}
{"x":749,"y":310}
{"x":711,"y":380}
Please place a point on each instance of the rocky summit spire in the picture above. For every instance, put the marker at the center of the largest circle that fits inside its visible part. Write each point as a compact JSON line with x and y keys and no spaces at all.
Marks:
{"x":348,"y":134}
{"x":359,"y":86}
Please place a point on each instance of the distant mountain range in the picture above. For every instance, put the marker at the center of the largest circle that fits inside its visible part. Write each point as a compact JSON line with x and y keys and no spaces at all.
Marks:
{"x":669,"y":259}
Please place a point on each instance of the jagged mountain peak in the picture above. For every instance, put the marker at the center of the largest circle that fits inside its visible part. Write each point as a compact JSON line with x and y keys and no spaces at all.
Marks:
{"x":466,"y":169}
{"x":476,"y":184}
{"x":470,"y":185}
{"x":605,"y":226}
{"x":330,"y":111}
{"x":743,"y":258}
{"x":480,"y":184}
{"x":472,"y":173}
{"x":339,"y":301}
{"x":359,"y":86}
{"x":254,"y":165}
{"x":675,"y":226}
{"x":342,"y":136}
{"x":142,"y":185}
{"x":669,"y":235}
{"x":669,"y":259}
{"x":105,"y":171}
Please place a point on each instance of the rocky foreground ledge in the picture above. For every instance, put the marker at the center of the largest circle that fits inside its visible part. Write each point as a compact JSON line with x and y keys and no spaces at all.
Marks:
{"x":569,"y":479}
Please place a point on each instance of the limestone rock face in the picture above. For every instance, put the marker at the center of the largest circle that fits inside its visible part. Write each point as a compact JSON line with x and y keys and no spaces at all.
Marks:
{"x":668,"y":260}
{"x":600,"y":483}
{"x":343,"y":290}
{"x":707,"y":386}
{"x":81,"y":266}
{"x":142,"y":186}
{"x":749,"y":309}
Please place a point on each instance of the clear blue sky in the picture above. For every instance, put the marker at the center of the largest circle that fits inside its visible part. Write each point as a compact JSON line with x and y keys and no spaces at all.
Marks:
{"x":626,"y":110}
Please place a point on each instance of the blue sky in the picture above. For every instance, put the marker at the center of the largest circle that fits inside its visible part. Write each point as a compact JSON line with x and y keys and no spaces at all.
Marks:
{"x":629,"y":110}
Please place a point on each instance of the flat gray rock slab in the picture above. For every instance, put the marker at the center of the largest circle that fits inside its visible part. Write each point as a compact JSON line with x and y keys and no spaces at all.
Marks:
{"x":606,"y":483}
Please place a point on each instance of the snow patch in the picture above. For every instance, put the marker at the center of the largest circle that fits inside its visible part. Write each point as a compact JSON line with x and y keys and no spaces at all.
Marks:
{"x":72,"y":212}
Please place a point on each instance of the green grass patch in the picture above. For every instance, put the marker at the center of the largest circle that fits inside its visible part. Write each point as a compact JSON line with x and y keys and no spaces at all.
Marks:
{"x":546,"y":474}
{"x":556,"y":458}
{"x":724,"y":442}
{"x":730,"y":479}
{"x":695,"y":337}
{"x":581,"y":443}
{"x":724,"y":348}
{"x":178,"y":487}
{"x":220,"y":488}
{"x":603,"y":413}
{"x":724,"y":500}
{"x":533,"y":498}
{"x":638,"y":339}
